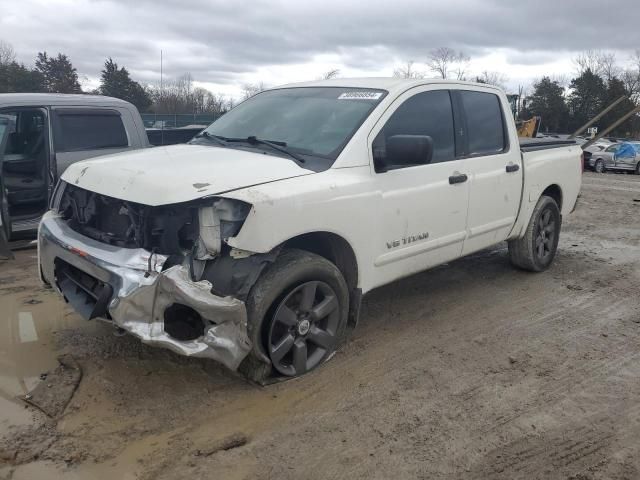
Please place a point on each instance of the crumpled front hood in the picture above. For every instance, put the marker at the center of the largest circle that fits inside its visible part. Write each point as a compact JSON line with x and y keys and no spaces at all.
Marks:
{"x":178,"y":173}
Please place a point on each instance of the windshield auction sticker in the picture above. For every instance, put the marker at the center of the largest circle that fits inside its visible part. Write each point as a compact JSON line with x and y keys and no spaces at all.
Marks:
{"x":360,"y":96}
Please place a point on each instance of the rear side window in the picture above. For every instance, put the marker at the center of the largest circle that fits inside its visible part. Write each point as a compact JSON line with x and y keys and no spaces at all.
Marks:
{"x":427,"y":113}
{"x":485,"y":125}
{"x":89,"y":130}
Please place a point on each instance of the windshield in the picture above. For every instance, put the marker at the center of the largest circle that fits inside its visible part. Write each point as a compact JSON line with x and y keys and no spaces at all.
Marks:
{"x":314,"y":121}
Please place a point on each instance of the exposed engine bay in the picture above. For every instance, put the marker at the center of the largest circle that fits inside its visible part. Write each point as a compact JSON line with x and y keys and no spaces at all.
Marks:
{"x":167,"y":230}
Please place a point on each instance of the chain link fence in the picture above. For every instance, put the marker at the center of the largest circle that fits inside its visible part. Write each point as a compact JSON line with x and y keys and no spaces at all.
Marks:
{"x":180,"y":120}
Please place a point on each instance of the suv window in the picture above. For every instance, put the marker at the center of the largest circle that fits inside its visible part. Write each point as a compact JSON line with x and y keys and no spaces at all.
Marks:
{"x":485,"y":125}
{"x":77,"y":130}
{"x":427,"y":113}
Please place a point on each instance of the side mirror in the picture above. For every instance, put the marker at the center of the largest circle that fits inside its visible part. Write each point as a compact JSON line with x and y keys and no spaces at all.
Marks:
{"x":405,"y":151}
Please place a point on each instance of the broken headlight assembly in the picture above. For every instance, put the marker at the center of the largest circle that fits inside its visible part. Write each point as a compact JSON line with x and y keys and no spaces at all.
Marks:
{"x":196,"y":229}
{"x":218,"y":222}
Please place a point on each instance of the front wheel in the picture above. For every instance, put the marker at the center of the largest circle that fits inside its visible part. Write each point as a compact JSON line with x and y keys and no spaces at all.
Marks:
{"x":537,"y":249}
{"x":599,"y":168}
{"x":638,"y":168}
{"x":297,"y":313}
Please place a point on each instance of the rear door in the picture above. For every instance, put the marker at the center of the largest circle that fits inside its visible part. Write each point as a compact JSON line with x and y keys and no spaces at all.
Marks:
{"x":493,"y":165}
{"x":5,"y":225}
{"x":86,"y":132}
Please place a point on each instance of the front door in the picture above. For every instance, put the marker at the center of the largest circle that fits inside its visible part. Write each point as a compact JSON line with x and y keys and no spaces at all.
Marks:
{"x":625,"y":157}
{"x":422,"y":208}
{"x":494,"y":168}
{"x":5,"y":225}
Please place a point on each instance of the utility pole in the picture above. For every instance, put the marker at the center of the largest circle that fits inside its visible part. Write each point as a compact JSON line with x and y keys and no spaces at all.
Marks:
{"x":161,"y":92}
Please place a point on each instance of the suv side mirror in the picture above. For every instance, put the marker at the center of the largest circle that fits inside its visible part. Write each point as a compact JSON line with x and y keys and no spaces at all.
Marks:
{"x":405,"y":151}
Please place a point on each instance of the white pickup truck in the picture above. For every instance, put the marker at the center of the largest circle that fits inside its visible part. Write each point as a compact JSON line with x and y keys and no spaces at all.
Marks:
{"x":254,"y":244}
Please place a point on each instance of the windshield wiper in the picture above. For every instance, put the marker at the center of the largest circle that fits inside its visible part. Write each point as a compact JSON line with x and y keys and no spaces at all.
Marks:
{"x":253,"y":140}
{"x":213,"y":138}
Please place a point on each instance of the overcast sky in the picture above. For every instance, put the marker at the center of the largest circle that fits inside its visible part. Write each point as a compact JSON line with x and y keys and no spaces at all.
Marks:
{"x":227,"y":43}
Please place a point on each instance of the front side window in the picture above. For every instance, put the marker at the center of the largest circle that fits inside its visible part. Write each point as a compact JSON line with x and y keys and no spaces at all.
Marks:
{"x":310,"y":121}
{"x":89,"y":130}
{"x":612,"y":148}
{"x":425,"y":114}
{"x":27,"y":133}
{"x":485,"y":125}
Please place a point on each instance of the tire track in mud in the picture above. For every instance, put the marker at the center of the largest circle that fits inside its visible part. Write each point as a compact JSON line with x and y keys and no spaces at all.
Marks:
{"x":576,"y":309}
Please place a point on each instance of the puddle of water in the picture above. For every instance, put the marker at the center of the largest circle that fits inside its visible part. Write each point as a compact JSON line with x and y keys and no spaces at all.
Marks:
{"x":49,"y":471}
{"x":28,"y":317}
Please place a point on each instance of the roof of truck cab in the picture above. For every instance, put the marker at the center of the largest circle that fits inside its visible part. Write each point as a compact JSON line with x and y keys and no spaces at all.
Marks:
{"x":383,"y":83}
{"x":60,"y":99}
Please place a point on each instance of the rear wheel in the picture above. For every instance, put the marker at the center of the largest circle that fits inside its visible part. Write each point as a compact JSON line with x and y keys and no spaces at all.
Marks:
{"x":537,"y":249}
{"x":297,"y":314}
{"x":599,"y":168}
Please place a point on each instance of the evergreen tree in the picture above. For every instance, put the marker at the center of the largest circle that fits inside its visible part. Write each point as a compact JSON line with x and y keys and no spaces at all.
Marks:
{"x":587,"y":98}
{"x":59,"y":75}
{"x":547,"y":101}
{"x":15,"y":77}
{"x":116,"y":82}
{"x":615,"y":90}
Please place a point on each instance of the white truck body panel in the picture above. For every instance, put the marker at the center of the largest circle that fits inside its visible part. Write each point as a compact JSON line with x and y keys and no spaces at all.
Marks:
{"x":369,"y":210}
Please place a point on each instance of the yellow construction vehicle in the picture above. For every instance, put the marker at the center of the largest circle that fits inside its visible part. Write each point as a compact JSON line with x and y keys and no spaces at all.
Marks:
{"x":528,"y":128}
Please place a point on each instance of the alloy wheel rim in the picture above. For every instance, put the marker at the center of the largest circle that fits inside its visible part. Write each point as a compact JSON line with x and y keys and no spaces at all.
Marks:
{"x":304,"y":328}
{"x":545,"y":235}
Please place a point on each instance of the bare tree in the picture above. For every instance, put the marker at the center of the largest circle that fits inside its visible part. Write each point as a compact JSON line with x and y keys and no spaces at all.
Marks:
{"x":251,"y":89}
{"x":631,"y":78}
{"x":328,"y":75}
{"x":603,"y":64}
{"x":492,"y":78}
{"x":407,"y":71}
{"x":7,"y":53}
{"x":448,"y":63}
{"x":560,"y":79}
{"x":587,"y":60}
{"x":180,"y":96}
{"x":608,"y":65}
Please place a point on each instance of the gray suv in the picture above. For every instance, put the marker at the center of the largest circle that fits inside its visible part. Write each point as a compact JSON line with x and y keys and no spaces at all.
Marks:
{"x":41,"y":135}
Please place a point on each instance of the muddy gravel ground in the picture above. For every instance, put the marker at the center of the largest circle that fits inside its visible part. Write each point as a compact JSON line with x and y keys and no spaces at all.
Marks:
{"x":471,"y":370}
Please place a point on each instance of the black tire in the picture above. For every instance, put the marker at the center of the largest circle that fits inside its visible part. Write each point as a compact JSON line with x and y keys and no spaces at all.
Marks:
{"x":537,"y":249}
{"x":638,"y":168}
{"x":599,"y":166}
{"x":279,"y":315}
